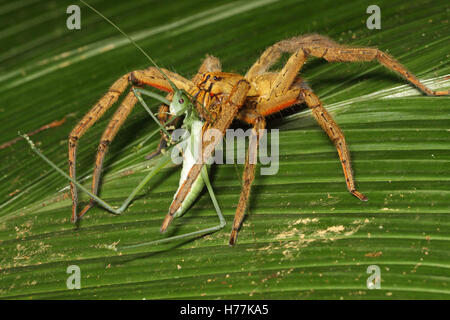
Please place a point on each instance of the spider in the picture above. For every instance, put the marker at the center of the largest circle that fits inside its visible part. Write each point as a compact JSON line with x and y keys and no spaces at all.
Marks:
{"x":222,"y":97}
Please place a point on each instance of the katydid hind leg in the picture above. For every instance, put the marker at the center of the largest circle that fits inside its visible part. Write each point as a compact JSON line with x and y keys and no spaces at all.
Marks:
{"x":248,"y":176}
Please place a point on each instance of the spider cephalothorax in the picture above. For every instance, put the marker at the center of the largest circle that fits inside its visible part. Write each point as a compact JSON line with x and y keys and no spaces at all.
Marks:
{"x":222,"y":97}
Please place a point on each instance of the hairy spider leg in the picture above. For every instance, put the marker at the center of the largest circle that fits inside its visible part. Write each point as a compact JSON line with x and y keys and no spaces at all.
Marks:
{"x":248,"y":176}
{"x":323,"y":47}
{"x":336,"y":136}
{"x":109,"y":134}
{"x":88,"y":120}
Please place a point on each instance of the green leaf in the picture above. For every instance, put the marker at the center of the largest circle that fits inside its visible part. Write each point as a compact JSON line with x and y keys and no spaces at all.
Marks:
{"x":305,"y":236}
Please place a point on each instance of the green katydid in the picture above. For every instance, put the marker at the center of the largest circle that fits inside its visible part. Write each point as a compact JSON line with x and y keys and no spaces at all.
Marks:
{"x":180,"y":105}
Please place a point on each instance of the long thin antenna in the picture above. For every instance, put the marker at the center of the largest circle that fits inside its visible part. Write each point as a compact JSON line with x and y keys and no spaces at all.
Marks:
{"x":174,"y":87}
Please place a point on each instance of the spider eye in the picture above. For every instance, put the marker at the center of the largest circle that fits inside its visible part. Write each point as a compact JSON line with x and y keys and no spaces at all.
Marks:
{"x":215,"y":78}
{"x":181,"y":101}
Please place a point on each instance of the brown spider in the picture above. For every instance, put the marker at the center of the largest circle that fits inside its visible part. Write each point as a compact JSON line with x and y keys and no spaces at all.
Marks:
{"x":227,"y":96}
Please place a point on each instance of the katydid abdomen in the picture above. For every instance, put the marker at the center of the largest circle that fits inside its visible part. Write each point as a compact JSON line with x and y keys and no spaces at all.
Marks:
{"x":190,"y":155}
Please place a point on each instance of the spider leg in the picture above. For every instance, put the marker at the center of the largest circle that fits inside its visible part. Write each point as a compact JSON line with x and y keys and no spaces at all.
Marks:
{"x":335,"y":134}
{"x":249,"y":171}
{"x":88,"y":120}
{"x":110,"y":132}
{"x":322,"y":47}
{"x":227,"y":114}
{"x":344,"y":54}
{"x":152,"y":77}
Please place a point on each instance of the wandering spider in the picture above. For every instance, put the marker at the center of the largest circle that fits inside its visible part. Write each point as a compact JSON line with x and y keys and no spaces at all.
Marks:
{"x":222,"y":97}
